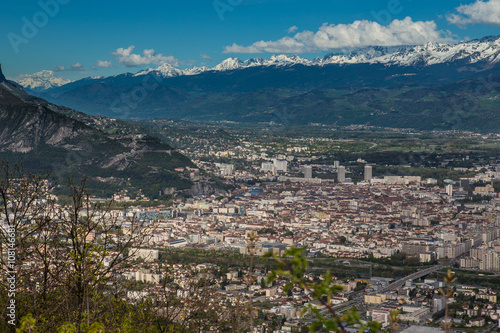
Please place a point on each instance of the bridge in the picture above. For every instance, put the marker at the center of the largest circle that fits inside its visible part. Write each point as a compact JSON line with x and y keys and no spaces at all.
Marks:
{"x":395,"y":285}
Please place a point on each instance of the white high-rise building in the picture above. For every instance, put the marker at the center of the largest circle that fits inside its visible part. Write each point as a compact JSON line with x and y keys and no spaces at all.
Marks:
{"x":438,"y":303}
{"x":281,"y":165}
{"x":341,"y":174}
{"x":449,"y":190}
{"x":336,"y":164}
{"x":226,"y":169}
{"x":268,"y":167}
{"x":368,"y":173}
{"x":308,"y":171}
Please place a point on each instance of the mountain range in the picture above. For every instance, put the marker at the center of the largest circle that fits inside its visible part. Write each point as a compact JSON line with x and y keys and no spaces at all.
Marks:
{"x":42,"y":137}
{"x":432,"y":86}
{"x":42,"y":80}
{"x":485,"y":49}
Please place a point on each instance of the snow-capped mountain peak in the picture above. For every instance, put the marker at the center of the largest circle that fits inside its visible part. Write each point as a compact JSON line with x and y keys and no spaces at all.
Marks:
{"x":486,"y":49}
{"x":42,"y":80}
{"x":425,"y":55}
{"x":196,"y":70}
{"x":254,"y":62}
{"x":285,"y":60}
{"x":229,"y":64}
{"x":165,"y":70}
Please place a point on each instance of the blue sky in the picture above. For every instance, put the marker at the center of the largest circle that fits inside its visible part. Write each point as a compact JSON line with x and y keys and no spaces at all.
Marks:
{"x":87,"y":38}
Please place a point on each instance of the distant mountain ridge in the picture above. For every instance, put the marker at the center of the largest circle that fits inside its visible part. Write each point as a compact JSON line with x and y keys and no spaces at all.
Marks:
{"x":45,"y":141}
{"x":485,"y":49}
{"x":41,"y":81}
{"x":425,"y":87}
{"x":473,"y":51}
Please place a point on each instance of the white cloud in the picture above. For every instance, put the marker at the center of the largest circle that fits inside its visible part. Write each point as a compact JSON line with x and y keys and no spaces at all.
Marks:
{"x":77,"y":67}
{"x":284,"y":45}
{"x":206,"y":57}
{"x":104,"y":64}
{"x":128,"y":59}
{"x":59,"y":68}
{"x":292,"y":29}
{"x":331,"y":37}
{"x":482,"y":12}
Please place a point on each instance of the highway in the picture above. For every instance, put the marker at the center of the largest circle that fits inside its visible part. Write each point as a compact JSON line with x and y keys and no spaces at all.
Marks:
{"x":395,"y":285}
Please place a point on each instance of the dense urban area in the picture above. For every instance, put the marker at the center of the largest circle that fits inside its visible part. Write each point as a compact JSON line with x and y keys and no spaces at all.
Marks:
{"x":387,"y":230}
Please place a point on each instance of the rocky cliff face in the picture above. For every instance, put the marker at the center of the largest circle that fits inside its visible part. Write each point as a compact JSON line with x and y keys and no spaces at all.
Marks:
{"x":2,"y":77}
{"x":49,"y":139}
{"x":24,"y":126}
{"x":201,"y":189}
{"x":46,"y":141}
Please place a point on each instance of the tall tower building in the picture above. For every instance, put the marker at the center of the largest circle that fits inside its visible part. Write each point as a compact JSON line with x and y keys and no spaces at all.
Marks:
{"x":449,"y":190}
{"x":341,"y":174}
{"x":308,"y":171}
{"x":368,"y":173}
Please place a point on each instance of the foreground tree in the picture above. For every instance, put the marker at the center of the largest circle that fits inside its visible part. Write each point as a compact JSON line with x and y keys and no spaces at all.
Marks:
{"x":193,"y":304}
{"x":294,"y":270}
{"x":97,"y":245}
{"x":26,"y":208}
{"x":65,"y":257}
{"x":70,"y":261}
{"x":447,"y":293}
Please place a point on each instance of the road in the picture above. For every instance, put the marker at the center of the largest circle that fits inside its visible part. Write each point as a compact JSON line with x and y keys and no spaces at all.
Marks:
{"x":395,"y":285}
